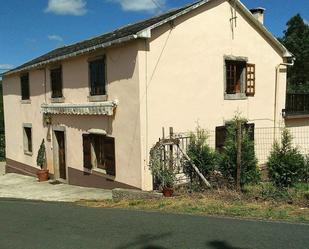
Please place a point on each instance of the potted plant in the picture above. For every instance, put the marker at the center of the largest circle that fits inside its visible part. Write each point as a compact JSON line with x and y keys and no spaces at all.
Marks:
{"x":167,"y":182}
{"x":43,"y":174}
{"x":164,"y":175}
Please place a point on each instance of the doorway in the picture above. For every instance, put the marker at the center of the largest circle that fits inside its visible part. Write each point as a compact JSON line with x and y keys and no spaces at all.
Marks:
{"x":59,"y":155}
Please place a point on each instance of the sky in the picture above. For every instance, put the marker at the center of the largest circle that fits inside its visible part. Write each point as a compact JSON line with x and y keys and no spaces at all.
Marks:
{"x":30,"y":28}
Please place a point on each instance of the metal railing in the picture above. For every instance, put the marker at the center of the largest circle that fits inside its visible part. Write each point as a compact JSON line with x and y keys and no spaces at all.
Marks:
{"x":297,"y":104}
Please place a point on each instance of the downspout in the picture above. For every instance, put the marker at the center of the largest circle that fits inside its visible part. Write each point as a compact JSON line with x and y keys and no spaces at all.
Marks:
{"x":276,"y":91}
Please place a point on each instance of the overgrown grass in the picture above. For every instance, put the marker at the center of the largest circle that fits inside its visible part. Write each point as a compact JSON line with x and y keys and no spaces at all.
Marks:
{"x":217,"y":203}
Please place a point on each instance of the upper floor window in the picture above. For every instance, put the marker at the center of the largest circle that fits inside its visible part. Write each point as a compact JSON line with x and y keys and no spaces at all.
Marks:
{"x":56,"y":82}
{"x":24,"y":85}
{"x":240,"y":78}
{"x":97,"y":77}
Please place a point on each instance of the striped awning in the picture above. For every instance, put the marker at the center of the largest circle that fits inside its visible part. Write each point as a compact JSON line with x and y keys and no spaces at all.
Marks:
{"x":92,"y":108}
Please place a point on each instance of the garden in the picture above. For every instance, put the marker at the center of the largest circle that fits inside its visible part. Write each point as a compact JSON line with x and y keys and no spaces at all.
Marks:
{"x":229,"y":182}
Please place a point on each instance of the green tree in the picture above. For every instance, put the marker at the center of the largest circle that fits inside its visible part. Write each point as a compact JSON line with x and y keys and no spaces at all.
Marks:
{"x":250,"y":172}
{"x":296,"y":40}
{"x":286,"y":165}
{"x":203,"y":157}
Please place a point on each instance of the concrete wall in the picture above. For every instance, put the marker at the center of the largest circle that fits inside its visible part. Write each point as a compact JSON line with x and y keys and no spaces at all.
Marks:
{"x":183,"y":68}
{"x":122,"y":78}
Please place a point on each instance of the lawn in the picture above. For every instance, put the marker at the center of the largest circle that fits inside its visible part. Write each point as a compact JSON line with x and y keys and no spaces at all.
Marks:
{"x":220,"y":203}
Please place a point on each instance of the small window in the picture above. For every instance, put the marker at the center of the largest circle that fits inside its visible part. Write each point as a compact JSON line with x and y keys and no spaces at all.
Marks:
{"x":28,"y":140}
{"x":97,"y":77}
{"x":99,"y":153}
{"x":24,"y":85}
{"x":56,"y":82}
{"x":221,"y":133}
{"x":240,"y":78}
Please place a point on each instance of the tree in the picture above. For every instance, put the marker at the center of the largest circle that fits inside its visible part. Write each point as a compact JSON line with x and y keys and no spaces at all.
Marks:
{"x":296,"y":40}
{"x":286,"y":165}
{"x":228,"y":162}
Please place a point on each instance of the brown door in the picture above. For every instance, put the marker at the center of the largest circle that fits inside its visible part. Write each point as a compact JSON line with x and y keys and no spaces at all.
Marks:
{"x":61,"y":154}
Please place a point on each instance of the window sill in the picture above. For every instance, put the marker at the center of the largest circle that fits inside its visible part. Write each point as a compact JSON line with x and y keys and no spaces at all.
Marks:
{"x":57,"y":100}
{"x":97,"y":98}
{"x":28,"y":153}
{"x":236,"y":96}
{"x":25,"y":101}
{"x":102,"y":172}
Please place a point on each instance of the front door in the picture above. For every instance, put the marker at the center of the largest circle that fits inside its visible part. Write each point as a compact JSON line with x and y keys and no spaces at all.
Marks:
{"x":61,"y":154}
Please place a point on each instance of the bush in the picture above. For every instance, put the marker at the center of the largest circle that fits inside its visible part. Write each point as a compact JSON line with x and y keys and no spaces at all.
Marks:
{"x":41,"y":157}
{"x":228,"y":159}
{"x":286,"y":164}
{"x":204,"y":158}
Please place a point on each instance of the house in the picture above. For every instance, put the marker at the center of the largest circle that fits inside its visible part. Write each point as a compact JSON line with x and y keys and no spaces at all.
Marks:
{"x":100,"y":104}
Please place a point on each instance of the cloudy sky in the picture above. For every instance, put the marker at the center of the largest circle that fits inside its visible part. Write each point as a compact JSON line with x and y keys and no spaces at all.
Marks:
{"x":33,"y":27}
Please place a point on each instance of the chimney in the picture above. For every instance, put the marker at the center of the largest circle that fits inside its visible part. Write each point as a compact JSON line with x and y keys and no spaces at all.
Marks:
{"x":258,"y":13}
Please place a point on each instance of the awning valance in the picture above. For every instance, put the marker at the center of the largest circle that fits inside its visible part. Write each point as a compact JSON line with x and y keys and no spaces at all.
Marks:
{"x":92,"y":108}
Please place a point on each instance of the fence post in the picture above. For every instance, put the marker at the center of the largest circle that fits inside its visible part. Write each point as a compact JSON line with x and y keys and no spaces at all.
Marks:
{"x":239,"y":138}
{"x":171,"y":161}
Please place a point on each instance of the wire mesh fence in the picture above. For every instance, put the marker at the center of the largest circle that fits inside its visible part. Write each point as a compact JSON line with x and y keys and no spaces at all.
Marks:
{"x":264,"y":138}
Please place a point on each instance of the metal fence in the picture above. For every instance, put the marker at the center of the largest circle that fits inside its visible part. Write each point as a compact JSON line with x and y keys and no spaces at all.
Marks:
{"x":264,"y":138}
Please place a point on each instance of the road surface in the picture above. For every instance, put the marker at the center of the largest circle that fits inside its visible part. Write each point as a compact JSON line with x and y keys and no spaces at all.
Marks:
{"x":39,"y":225}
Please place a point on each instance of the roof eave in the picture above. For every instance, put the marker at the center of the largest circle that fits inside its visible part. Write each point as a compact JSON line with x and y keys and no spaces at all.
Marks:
{"x":80,"y":52}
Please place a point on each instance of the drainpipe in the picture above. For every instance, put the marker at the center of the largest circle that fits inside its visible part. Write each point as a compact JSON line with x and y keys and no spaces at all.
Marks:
{"x":276,"y":90}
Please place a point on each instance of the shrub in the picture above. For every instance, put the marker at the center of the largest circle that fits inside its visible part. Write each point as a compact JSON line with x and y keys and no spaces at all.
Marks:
{"x":228,"y":159}
{"x":40,"y":160}
{"x":285,"y":163}
{"x":204,"y":158}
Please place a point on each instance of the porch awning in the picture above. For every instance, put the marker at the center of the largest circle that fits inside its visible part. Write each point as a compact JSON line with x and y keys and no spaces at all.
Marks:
{"x":92,"y":108}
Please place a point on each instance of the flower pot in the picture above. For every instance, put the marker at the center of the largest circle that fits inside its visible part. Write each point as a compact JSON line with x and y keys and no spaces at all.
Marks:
{"x":168,"y":192}
{"x":43,"y":175}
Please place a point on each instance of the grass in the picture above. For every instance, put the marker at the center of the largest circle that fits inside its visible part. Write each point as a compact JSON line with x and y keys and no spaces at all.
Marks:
{"x":215,"y":203}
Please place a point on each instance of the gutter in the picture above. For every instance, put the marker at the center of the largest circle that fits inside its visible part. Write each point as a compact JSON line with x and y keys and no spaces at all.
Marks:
{"x":276,"y":90}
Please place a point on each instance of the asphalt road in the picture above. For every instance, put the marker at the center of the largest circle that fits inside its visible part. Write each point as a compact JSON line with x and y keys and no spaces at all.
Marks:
{"x":32,"y":225}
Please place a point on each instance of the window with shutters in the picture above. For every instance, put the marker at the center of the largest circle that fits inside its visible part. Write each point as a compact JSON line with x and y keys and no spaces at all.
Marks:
{"x":221,"y":133}
{"x":97,"y":77}
{"x":240,"y":78}
{"x":56,"y":82}
{"x":99,"y":153}
{"x":24,"y":86}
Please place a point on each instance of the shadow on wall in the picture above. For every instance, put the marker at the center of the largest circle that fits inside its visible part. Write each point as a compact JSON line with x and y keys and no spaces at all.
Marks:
{"x":84,"y":123}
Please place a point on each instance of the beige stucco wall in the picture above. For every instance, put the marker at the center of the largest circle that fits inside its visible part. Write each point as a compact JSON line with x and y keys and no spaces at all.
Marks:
{"x":184,"y":71}
{"x":174,"y":79}
{"x":122,"y":78}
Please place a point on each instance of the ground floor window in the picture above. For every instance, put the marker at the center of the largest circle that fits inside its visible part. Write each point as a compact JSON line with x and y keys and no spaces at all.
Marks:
{"x":27,"y":133}
{"x":99,"y":153}
{"x":221,"y":133}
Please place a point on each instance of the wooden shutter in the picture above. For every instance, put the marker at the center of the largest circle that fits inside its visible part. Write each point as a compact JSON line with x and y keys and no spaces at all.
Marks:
{"x":56,"y":82}
{"x":87,"y":151}
{"x":220,"y":137}
{"x":250,"y":80}
{"x":109,"y":149}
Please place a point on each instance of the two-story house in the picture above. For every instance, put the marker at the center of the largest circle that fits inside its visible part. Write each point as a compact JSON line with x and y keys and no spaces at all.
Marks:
{"x":100,"y":104}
